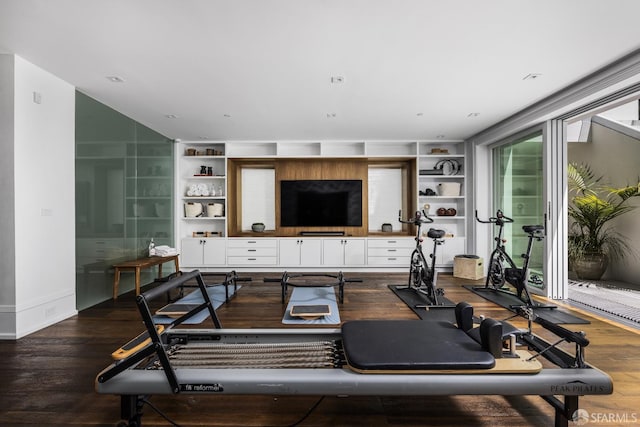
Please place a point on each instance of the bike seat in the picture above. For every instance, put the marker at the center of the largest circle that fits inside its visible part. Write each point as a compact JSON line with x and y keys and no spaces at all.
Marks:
{"x":435,"y":234}
{"x":529,"y":229}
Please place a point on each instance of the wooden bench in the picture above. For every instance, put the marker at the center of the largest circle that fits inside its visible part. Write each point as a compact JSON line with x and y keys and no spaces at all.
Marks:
{"x":138,"y":264}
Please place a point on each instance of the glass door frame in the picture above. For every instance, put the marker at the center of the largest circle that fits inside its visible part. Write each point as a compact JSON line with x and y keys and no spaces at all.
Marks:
{"x":484,"y":203}
{"x":528,"y":195}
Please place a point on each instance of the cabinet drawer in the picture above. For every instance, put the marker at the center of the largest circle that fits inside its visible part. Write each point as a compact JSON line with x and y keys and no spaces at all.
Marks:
{"x":388,"y":260}
{"x":252,"y":243}
{"x":252,"y":252}
{"x":391,"y":243}
{"x":251,"y":260}
{"x":392,"y":252}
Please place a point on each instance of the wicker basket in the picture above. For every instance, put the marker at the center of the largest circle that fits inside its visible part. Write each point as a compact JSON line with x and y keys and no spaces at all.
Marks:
{"x":215,"y":209}
{"x":192,"y":210}
{"x":449,"y":189}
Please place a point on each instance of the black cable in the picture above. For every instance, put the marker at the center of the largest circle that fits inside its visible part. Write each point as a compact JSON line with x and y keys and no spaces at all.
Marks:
{"x":305,"y":416}
{"x":159,"y":412}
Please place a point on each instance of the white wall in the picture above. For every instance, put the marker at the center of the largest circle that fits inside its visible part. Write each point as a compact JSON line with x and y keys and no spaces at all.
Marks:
{"x":44,"y":195}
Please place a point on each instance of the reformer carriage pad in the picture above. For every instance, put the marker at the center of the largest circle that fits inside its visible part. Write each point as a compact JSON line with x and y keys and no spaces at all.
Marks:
{"x":411,"y":345}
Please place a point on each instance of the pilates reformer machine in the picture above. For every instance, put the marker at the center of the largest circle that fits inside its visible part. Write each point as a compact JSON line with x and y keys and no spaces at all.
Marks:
{"x":363,"y":357}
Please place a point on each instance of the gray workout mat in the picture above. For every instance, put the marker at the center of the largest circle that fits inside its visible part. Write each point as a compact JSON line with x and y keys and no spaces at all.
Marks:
{"x":312,"y":296}
{"x":555,"y":314}
{"x":216,"y":295}
{"x":445,"y":312}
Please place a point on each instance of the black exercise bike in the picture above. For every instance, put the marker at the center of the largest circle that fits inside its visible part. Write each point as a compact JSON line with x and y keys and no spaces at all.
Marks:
{"x":421,"y":275}
{"x":502,"y":268}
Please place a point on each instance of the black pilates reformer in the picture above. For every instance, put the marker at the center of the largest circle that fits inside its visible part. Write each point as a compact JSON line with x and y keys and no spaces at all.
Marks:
{"x":230,"y":280}
{"x":289,"y":279}
{"x":367,"y":358}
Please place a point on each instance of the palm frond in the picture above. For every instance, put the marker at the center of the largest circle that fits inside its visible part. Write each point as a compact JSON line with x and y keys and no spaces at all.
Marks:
{"x":581,"y":178}
{"x":592,"y":206}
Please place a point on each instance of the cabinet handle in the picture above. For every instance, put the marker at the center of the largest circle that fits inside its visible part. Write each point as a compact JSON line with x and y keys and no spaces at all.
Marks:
{"x":391,"y":241}
{"x":392,"y":259}
{"x":251,"y":250}
{"x":252,"y":241}
{"x":251,"y":259}
{"x":391,"y":250}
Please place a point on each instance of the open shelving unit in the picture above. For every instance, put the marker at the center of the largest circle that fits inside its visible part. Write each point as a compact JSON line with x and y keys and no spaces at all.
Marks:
{"x":202,"y":206}
{"x":441,"y":169}
{"x":194,"y":158}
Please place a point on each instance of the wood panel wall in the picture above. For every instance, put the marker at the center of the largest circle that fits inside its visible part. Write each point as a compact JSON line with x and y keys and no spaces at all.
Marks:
{"x":299,"y":169}
{"x":306,"y":169}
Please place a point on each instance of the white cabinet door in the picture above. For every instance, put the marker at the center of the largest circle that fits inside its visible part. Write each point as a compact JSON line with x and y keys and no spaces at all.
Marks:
{"x":310,"y":252}
{"x":300,"y":252}
{"x":214,"y":251}
{"x":289,"y":252}
{"x":354,"y":252}
{"x":191,"y":252}
{"x":447,"y":251}
{"x":340,"y":252}
{"x":201,"y":252}
{"x":333,"y":252}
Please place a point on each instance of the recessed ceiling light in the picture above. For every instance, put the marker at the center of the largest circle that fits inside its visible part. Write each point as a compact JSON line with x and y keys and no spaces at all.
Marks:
{"x":532,"y":76}
{"x":171,"y":116}
{"x":473,"y":114}
{"x":115,"y":79}
{"x":337,"y":79}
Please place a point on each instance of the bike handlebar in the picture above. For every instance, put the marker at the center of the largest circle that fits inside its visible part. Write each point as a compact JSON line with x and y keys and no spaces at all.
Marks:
{"x":419,"y":218}
{"x":495,"y":219}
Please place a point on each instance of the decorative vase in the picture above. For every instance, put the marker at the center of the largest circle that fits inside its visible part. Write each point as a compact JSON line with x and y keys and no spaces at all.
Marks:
{"x":591,"y":266}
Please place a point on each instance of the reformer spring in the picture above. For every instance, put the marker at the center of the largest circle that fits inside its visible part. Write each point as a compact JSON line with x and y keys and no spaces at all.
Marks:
{"x":320,"y":354}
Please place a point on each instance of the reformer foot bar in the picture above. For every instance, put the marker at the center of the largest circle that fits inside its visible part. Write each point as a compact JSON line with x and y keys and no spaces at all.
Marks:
{"x":230,"y":280}
{"x":286,"y":281}
{"x":365,"y":358}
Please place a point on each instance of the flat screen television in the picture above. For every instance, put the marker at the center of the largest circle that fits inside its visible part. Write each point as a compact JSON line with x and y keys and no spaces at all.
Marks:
{"x":321,"y":203}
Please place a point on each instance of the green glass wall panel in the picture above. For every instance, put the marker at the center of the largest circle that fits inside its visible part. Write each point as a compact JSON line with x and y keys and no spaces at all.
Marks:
{"x":518,"y":190}
{"x":124,"y":196}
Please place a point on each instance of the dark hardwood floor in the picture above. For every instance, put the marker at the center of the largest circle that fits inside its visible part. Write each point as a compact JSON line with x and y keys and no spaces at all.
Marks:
{"x":48,"y":377}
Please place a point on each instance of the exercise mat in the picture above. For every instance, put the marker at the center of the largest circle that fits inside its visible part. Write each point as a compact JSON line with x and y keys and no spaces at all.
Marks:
{"x":313,"y":296}
{"x":416,"y":301}
{"x":505,"y":300}
{"x":216,"y":295}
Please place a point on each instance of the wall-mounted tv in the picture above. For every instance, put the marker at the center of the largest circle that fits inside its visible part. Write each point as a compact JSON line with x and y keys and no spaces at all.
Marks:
{"x":321,"y":203}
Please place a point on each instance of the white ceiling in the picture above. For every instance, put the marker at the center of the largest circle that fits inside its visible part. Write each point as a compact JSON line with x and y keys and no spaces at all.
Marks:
{"x":413,"y":69}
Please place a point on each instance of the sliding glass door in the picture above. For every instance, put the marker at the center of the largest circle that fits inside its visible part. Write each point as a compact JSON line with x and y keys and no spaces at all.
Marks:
{"x":518,"y":192}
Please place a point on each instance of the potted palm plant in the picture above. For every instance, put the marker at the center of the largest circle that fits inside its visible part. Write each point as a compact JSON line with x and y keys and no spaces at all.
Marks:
{"x":592,"y":240}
